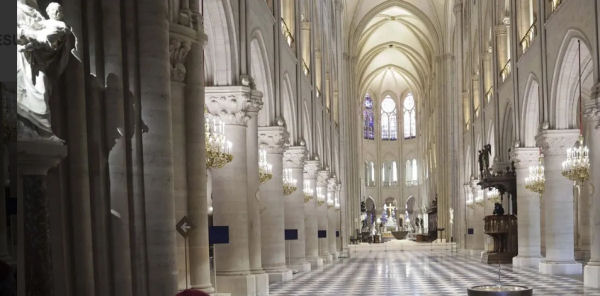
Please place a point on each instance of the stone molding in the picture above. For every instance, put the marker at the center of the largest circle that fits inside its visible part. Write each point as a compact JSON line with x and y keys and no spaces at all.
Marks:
{"x":229,"y":103}
{"x":556,"y":142}
{"x":272,"y":138}
{"x":322,"y":177}
{"x":525,"y":157}
{"x":294,"y":156}
{"x":311,"y":167}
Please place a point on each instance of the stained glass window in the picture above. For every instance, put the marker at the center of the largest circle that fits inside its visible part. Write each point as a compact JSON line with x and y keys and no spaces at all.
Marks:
{"x":389,"y":124}
{"x":410,"y":120}
{"x":369,"y":119}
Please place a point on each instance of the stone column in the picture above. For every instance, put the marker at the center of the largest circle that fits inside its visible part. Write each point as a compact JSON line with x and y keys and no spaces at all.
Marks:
{"x":528,"y":217}
{"x":332,"y":218}
{"x":272,"y":138}
{"x":558,"y":209}
{"x":254,"y":228}
{"x":229,"y":189}
{"x":35,"y":158}
{"x":197,"y":206}
{"x":323,"y":223}
{"x":338,"y":220}
{"x":157,"y":152}
{"x":591,"y":276}
{"x":310,"y":216}
{"x":293,"y":159}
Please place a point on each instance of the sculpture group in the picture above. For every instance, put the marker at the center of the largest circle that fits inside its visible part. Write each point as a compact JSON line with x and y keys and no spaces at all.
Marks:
{"x":43,"y":50}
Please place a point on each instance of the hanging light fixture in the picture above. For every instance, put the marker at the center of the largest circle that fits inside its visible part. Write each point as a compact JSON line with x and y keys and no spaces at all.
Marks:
{"x":536,"y":180}
{"x":493,"y":195}
{"x":289,"y":182}
{"x":218,"y":148}
{"x":577,"y":165}
{"x":308,"y":190}
{"x":264,"y":168}
{"x":320,"y":196}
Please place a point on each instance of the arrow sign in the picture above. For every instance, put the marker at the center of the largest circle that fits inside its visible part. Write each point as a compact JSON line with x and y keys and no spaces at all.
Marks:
{"x":184,"y":226}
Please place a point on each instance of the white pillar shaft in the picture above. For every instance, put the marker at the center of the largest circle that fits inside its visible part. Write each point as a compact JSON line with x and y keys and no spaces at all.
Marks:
{"x":229,"y":194}
{"x":591,"y":277}
{"x":558,"y":212}
{"x":294,"y":219}
{"x":528,"y":217}
{"x":323,"y":225}
{"x":272,"y":219}
{"x":254,"y":225}
{"x":311,"y":224}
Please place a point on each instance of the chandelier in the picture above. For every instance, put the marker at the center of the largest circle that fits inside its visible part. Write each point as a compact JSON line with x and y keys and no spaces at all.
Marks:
{"x":308,"y":190}
{"x":479,"y":197}
{"x":536,"y":179}
{"x":329,"y":200}
{"x":493,"y":195}
{"x":218,"y":148}
{"x":320,"y":196}
{"x":289,"y":182}
{"x":577,"y":165}
{"x":264,"y":168}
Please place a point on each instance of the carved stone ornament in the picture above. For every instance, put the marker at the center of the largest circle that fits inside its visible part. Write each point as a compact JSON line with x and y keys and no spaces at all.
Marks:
{"x":178,"y":52}
{"x":256,"y":102}
{"x":592,"y":114}
{"x":293,"y":157}
{"x":322,"y":177}
{"x":525,"y":157}
{"x":332,"y":185}
{"x":556,"y":142}
{"x":272,"y":138}
{"x":43,"y":50}
{"x":311,"y":167}
{"x":229,"y":103}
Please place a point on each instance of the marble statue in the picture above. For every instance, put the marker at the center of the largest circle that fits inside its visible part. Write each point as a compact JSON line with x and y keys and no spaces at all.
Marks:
{"x":43,"y":50}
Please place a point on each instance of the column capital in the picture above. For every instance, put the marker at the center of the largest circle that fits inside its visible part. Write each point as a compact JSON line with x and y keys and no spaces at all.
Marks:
{"x":556,"y":142}
{"x":255,"y":102}
{"x":294,"y":156}
{"x":525,"y":157}
{"x":332,"y":184}
{"x":322,"y":177}
{"x":311,"y":167}
{"x":229,"y":103}
{"x":272,"y":138}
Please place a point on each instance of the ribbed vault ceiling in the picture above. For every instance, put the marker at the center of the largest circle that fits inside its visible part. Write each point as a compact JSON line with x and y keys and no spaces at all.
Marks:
{"x":393,"y":42}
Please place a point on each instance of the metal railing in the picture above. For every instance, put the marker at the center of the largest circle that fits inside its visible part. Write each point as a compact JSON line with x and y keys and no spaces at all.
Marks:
{"x":287,"y":34}
{"x":529,"y":36}
{"x":505,"y":71}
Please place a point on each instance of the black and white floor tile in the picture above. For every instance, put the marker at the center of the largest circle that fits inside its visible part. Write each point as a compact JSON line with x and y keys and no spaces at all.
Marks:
{"x":419,"y":273}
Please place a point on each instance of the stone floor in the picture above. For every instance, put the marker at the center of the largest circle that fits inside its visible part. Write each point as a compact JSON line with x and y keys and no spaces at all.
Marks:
{"x":419,"y":271}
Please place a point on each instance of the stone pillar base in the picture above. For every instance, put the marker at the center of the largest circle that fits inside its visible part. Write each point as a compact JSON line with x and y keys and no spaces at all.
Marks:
{"x":521,"y":261}
{"x":552,"y":267}
{"x":237,"y":285}
{"x":262,"y":284}
{"x":327,"y":258}
{"x":334,"y":256}
{"x":345,"y":253}
{"x":280,"y":276}
{"x":315,"y":263}
{"x":591,"y":275}
{"x":300,"y":267}
{"x":582,"y":255}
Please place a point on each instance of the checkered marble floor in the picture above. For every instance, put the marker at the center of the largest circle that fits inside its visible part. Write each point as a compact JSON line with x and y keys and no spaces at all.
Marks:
{"x":419,"y":272}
